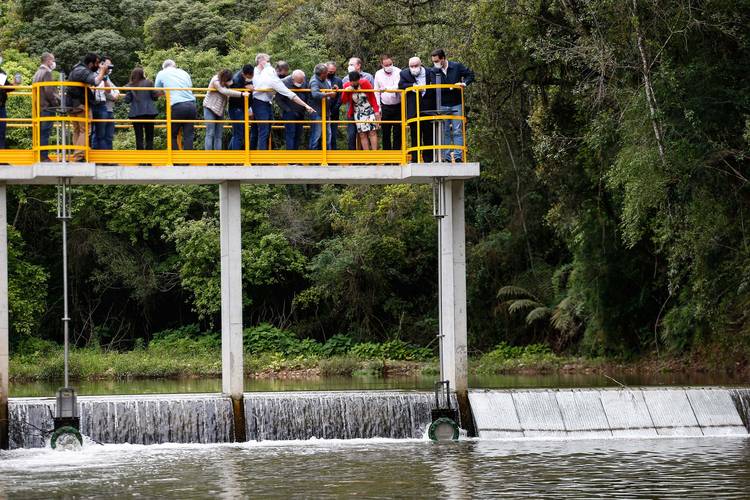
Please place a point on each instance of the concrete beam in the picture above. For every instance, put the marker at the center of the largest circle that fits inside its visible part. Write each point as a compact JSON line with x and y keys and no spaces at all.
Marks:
{"x":231,"y":290}
{"x":4,"y":329}
{"x":90,"y":173}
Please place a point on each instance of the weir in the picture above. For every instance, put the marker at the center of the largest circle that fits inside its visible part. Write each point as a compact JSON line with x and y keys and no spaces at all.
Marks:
{"x":229,"y":170}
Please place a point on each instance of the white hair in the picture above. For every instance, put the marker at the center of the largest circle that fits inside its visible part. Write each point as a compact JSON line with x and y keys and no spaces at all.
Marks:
{"x":260,"y":57}
{"x":168,"y":64}
{"x":415,"y":60}
{"x":298,"y":73}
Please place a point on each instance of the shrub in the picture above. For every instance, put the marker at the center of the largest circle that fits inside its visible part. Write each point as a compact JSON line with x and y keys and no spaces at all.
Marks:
{"x":342,"y":366}
{"x":397,"y":350}
{"x":338,"y":345}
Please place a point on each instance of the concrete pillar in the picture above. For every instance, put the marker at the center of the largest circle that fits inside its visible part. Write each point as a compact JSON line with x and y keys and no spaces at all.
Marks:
{"x":231,"y":289}
{"x":453,"y":300}
{"x":4,"y":331}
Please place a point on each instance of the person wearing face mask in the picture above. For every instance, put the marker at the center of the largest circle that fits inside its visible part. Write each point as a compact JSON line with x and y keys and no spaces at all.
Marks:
{"x":387,"y":78}
{"x":293,"y":132}
{"x":335,"y":103}
{"x":355,"y":65}
{"x":241,"y":80}
{"x":91,"y":71}
{"x":417,"y":75}
{"x":363,"y":110}
{"x":267,"y":85}
{"x":318,"y":86}
{"x":450,"y":73}
{"x":49,"y":100}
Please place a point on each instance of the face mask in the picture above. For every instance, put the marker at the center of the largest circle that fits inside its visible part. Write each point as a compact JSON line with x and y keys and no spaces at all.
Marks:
{"x":351,"y":68}
{"x":331,"y":75}
{"x":298,"y":85}
{"x":415,"y":71}
{"x":388,"y":69}
{"x":439,"y":65}
{"x":52,"y":66}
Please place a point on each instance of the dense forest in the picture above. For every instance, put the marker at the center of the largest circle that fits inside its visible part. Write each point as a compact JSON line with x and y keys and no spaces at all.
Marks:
{"x":610,"y":217}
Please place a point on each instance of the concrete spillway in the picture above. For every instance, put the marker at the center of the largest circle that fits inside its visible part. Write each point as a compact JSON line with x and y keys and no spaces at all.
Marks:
{"x":595,"y":413}
{"x":209,"y":418}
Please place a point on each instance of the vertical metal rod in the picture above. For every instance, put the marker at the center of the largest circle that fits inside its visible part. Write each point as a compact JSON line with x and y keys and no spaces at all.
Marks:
{"x":63,"y":213}
{"x":438,"y":206}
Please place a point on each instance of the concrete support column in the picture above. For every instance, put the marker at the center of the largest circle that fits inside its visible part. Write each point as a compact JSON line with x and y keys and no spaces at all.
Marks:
{"x":453,"y":300}
{"x":4,"y":331}
{"x":231,"y":289}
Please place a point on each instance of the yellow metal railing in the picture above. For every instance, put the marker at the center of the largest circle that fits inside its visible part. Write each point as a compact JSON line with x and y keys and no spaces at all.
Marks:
{"x":172,"y":154}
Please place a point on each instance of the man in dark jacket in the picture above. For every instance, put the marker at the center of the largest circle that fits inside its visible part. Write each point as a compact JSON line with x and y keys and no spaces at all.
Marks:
{"x":242,"y":81}
{"x":50,"y":100}
{"x":90,"y":71}
{"x":335,"y":103}
{"x":318,"y":85}
{"x":453,"y":73}
{"x":291,"y":111}
{"x":417,"y":75}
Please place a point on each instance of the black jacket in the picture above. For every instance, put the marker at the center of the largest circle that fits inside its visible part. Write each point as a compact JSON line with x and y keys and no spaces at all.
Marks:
{"x":286,"y":104}
{"x":142,"y":102}
{"x":3,"y":93}
{"x":426,"y":102}
{"x":238,"y":83}
{"x":80,"y":73}
{"x":456,"y":73}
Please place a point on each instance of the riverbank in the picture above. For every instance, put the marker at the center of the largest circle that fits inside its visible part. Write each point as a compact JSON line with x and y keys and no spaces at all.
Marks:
{"x":155,"y":362}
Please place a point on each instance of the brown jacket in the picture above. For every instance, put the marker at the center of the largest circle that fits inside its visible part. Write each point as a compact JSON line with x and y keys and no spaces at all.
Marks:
{"x":48,"y":95}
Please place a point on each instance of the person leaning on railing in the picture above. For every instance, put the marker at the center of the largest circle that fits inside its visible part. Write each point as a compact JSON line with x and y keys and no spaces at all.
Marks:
{"x":90,"y":71}
{"x":363,"y":108}
{"x":417,"y":75}
{"x":237,"y":106}
{"x":355,"y":64}
{"x":49,"y":100}
{"x":334,"y":104}
{"x":142,"y":107}
{"x":266,"y":79}
{"x":182,"y":102}
{"x":214,"y":105}
{"x":291,"y":112}
{"x":387,"y":78}
{"x":318,"y":85}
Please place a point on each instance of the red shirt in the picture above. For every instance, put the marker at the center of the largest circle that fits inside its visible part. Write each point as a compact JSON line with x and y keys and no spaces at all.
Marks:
{"x":347,"y":97}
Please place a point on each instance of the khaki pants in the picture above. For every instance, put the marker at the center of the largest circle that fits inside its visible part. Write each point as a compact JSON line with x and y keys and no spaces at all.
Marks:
{"x":80,"y":131}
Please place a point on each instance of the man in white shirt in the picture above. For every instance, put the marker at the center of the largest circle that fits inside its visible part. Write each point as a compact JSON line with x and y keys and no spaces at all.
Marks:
{"x":387,"y":78}
{"x":267,"y":83}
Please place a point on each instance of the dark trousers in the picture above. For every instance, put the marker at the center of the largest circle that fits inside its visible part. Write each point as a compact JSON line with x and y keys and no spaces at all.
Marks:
{"x":183,"y":111}
{"x":425,"y":140}
{"x":45,"y":129}
{"x":391,"y":131}
{"x":3,"y":125}
{"x":335,"y":115}
{"x":144,"y":132}
{"x":238,"y":129}
{"x":351,"y":135}
{"x":263,"y":110}
{"x":293,"y":132}
{"x":97,"y":139}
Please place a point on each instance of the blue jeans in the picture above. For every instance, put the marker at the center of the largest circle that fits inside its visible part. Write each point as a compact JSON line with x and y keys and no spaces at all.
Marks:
{"x":238,"y":129}
{"x":452,"y":133}
{"x":3,"y":125}
{"x":316,"y":134}
{"x":293,"y":132}
{"x":263,"y":111}
{"x":98,"y":138}
{"x":45,"y":129}
{"x":214,"y":131}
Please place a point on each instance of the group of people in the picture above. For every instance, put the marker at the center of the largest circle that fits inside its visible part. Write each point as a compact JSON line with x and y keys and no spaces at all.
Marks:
{"x":372,"y":103}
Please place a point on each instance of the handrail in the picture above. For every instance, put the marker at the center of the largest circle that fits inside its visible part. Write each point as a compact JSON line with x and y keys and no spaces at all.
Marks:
{"x":247,"y":156}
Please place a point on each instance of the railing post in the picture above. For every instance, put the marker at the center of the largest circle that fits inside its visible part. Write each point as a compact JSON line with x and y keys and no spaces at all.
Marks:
{"x":246,"y":130}
{"x":170,"y":160}
{"x":4,"y":330}
{"x":35,"y":125}
{"x":87,"y":122}
{"x":404,"y":139}
{"x":419,"y":127}
{"x":465,"y":149}
{"x":324,"y":131}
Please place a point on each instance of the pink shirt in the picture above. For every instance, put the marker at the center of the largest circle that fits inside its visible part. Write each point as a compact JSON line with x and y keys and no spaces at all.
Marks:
{"x":384,"y":81}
